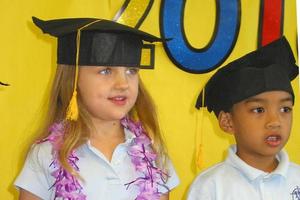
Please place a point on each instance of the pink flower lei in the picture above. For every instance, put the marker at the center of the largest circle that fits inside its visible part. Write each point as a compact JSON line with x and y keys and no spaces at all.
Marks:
{"x":142,"y":156}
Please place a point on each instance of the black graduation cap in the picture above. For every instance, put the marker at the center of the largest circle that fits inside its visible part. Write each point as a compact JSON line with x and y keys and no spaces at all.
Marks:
{"x":102,"y":42}
{"x":97,"y":42}
{"x":268,"y":68}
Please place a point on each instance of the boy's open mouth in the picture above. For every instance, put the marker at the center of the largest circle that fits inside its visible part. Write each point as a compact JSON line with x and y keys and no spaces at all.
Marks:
{"x":273,"y":140}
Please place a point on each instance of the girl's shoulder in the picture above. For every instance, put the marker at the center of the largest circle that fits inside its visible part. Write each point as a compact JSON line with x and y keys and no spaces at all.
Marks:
{"x":40,"y":153}
{"x":48,"y":146}
{"x":42,"y":147}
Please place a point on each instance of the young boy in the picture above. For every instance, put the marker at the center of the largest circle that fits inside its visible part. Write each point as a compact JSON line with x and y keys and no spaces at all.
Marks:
{"x":253,"y":99}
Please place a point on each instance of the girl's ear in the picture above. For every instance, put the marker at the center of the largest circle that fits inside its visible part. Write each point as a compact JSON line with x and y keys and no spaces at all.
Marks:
{"x":225,"y":122}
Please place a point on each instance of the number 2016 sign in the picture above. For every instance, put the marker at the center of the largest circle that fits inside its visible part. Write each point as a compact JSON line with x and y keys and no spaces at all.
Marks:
{"x":225,"y":33}
{"x":223,"y":39}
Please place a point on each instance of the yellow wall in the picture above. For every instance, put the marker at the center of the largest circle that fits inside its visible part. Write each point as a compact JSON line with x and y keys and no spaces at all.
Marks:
{"x":28,"y":60}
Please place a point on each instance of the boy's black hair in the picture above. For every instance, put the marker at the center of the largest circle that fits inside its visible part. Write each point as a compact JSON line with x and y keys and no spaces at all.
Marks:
{"x":268,"y":68}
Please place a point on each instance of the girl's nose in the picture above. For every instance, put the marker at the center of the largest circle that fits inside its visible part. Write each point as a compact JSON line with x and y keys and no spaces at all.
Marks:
{"x":121,"y":81}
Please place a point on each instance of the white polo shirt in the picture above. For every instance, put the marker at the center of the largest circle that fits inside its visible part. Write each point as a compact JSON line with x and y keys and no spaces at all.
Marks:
{"x":102,"y":179}
{"x":233,"y":179}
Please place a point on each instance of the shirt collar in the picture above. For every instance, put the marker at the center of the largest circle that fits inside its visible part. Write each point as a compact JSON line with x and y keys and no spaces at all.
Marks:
{"x":128,"y":137}
{"x":252,"y":173}
{"x":283,"y":165}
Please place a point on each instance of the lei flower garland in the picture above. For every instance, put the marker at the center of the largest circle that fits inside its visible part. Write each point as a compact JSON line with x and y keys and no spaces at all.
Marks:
{"x":66,"y":185}
{"x":142,"y":156}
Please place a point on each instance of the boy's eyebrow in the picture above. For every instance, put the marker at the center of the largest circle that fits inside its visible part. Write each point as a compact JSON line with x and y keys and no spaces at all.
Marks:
{"x":287,"y":99}
{"x":256,"y":99}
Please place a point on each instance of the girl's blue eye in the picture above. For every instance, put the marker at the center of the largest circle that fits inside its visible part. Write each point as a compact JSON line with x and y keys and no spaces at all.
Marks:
{"x":105,"y":71}
{"x":132,"y":70}
{"x":286,"y":109}
{"x":258,"y":110}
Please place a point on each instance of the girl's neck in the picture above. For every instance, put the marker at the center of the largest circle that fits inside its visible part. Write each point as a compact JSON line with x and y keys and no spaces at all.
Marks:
{"x":106,"y":136}
{"x":103,"y":128}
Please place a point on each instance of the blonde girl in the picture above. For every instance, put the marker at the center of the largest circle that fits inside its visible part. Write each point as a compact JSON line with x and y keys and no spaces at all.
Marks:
{"x":101,"y":138}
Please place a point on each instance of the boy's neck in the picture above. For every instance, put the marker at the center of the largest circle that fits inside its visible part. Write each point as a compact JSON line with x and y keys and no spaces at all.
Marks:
{"x":263,"y":163}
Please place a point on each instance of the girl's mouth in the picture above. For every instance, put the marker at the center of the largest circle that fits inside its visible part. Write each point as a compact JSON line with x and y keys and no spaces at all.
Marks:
{"x":118,"y":100}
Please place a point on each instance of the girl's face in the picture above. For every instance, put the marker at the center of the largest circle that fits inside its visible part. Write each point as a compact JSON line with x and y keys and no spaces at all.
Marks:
{"x":108,"y":93}
{"x":261,"y":124}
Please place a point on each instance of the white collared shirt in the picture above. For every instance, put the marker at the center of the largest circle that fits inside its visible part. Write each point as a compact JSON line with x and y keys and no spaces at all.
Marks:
{"x":102,"y":179}
{"x":234,"y":179}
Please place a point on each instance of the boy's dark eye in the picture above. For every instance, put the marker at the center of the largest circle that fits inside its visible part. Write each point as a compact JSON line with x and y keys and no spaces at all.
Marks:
{"x":258,"y":110}
{"x":286,"y":109}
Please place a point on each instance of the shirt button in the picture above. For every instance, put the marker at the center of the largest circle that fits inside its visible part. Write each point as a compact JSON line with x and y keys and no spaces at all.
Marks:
{"x":113,"y":180}
{"x":116,"y":162}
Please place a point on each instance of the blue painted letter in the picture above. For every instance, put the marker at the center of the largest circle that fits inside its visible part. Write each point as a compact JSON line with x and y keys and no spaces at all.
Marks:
{"x":216,"y":51}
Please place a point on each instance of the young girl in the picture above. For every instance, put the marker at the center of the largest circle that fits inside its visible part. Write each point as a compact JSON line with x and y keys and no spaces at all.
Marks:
{"x":105,"y":142}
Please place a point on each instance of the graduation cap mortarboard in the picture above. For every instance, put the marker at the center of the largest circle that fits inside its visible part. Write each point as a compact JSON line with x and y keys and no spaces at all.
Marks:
{"x":97,"y":42}
{"x":268,"y":68}
{"x":102,"y":42}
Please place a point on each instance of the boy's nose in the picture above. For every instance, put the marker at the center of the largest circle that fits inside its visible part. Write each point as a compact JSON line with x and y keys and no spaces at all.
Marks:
{"x":273,"y":121}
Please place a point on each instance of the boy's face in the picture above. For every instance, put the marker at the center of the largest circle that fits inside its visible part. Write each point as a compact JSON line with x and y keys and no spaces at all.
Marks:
{"x":261,"y":124}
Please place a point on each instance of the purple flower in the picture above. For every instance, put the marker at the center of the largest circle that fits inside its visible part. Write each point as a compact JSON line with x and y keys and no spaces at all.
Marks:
{"x":143,"y":158}
{"x":67,"y":187}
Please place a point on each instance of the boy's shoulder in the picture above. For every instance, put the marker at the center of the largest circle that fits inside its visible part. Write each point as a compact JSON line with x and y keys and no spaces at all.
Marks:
{"x":294,"y":165}
{"x":208,"y":178}
{"x":294,"y":169}
{"x":207,"y":181}
{"x":211,"y":174}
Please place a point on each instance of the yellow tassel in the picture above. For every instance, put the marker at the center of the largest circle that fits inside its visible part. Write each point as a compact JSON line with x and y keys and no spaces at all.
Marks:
{"x":200,"y":134}
{"x":72,"y":111}
{"x":200,"y":159}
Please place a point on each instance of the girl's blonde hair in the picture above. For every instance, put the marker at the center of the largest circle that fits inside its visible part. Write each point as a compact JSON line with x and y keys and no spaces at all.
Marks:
{"x":77,"y":132}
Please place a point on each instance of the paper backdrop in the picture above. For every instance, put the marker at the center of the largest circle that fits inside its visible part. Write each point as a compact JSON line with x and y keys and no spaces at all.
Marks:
{"x":206,"y":35}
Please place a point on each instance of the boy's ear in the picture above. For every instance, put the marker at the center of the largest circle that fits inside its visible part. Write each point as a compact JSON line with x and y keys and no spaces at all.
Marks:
{"x":225,"y":122}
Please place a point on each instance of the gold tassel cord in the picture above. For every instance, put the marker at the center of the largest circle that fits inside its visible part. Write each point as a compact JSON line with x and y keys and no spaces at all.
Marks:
{"x":72,"y":110}
{"x":199,"y":139}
